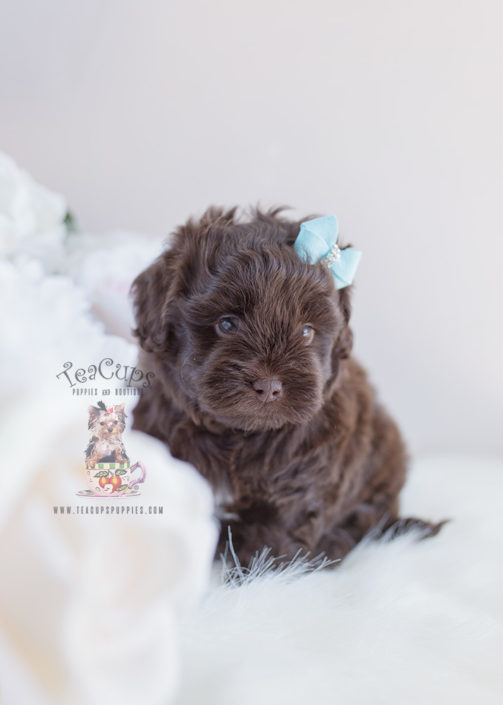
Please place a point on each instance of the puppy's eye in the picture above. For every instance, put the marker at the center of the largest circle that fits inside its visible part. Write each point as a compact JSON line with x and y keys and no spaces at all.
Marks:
{"x":102,"y":423}
{"x":227,"y":325}
{"x":115,"y":423}
{"x":308,"y":334}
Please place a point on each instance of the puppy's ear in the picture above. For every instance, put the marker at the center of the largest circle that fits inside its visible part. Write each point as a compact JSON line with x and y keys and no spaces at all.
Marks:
{"x":346,"y":337}
{"x":152,"y":292}
{"x":344,"y":343}
{"x":119,"y":409}
{"x":173,"y":277}
{"x":94,"y":412}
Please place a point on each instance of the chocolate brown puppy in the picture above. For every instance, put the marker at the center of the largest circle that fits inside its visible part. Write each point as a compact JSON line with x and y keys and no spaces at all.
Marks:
{"x":256,"y":386}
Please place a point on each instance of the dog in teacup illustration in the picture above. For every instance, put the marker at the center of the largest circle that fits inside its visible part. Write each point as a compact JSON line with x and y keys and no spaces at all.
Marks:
{"x":106,"y":427}
{"x":108,"y":468}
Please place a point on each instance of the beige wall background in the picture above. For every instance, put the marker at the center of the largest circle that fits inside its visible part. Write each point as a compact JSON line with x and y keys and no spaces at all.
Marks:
{"x":388,"y":114}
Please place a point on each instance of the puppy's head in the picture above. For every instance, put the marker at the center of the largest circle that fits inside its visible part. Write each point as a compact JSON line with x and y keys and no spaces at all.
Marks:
{"x":243,"y":330}
{"x":107,"y":424}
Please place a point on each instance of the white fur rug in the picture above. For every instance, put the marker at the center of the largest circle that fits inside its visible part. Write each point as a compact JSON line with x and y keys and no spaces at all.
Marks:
{"x":399,"y":622}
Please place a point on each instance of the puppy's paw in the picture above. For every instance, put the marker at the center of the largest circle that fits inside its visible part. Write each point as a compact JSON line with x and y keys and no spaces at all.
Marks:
{"x":424,"y":529}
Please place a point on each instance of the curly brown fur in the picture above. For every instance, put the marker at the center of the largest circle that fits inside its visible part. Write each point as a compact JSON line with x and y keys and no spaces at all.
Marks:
{"x":312,"y":463}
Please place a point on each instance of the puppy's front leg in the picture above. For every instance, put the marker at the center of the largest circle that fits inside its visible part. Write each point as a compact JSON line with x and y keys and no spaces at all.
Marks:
{"x":121,"y":455}
{"x":92,"y":459}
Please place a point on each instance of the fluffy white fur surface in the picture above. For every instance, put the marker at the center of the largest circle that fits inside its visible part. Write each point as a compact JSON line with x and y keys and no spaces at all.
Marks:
{"x":398,"y":622}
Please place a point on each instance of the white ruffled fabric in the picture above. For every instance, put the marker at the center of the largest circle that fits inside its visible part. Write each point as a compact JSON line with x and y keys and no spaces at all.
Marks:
{"x":31,"y":217}
{"x":89,"y":604}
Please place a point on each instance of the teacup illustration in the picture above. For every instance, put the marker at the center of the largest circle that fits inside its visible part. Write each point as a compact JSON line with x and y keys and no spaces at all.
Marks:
{"x":114,"y":479}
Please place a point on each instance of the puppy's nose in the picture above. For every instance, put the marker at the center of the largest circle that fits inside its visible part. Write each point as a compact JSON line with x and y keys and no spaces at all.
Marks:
{"x":268,"y":389}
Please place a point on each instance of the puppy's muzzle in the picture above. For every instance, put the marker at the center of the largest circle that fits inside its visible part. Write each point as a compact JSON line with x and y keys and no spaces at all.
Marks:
{"x":268,"y":389}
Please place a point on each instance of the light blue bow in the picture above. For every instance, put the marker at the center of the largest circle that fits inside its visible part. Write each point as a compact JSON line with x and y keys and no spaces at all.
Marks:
{"x":317,"y":239}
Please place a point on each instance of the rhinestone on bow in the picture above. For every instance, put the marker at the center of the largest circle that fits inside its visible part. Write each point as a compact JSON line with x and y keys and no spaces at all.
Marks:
{"x":333,"y":254}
